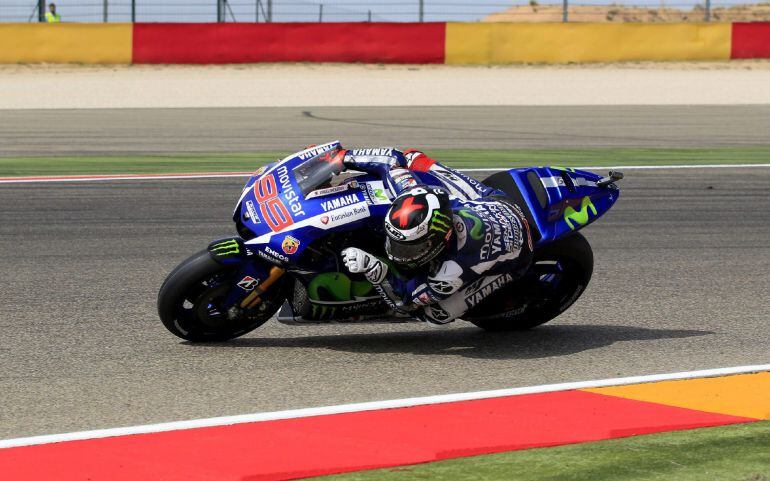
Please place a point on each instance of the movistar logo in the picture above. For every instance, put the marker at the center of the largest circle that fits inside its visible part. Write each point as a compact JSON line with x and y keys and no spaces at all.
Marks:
{"x":478,"y":226}
{"x":578,"y":218}
{"x":440,"y":222}
{"x":226,"y":248}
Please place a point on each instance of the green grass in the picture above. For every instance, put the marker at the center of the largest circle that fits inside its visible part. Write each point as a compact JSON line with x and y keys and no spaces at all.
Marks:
{"x":23,"y":166}
{"x":731,"y":453}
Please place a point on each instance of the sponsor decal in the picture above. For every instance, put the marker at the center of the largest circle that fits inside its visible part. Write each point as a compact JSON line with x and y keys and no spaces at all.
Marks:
{"x":403,"y":178}
{"x":442,"y":287}
{"x":447,"y":175}
{"x":350,"y":214}
{"x":474,"y":298}
{"x":342,"y":201}
{"x":376,"y":193}
{"x":290,"y":244}
{"x":477,"y":186}
{"x":377,"y":272}
{"x":578,"y":218}
{"x":225,"y":248}
{"x":324,"y":219}
{"x":272,"y":255}
{"x":502,"y":230}
{"x":393,"y":232}
{"x":260,"y":170}
{"x":478,"y":225}
{"x":436,"y":312}
{"x":288,"y":191}
{"x":331,"y":190}
{"x":253,"y":216}
{"x":474,"y":286}
{"x":374,"y":152}
{"x":440,"y":222}
{"x":248,"y":283}
{"x":317,"y":151}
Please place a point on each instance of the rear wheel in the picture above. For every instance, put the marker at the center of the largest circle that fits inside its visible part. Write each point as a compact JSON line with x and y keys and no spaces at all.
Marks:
{"x":190,"y":302}
{"x":557,"y":277}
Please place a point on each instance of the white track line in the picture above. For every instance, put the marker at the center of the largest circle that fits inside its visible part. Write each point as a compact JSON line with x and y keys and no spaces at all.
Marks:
{"x":371,"y":406}
{"x":103,"y":178}
{"x":642,"y":167}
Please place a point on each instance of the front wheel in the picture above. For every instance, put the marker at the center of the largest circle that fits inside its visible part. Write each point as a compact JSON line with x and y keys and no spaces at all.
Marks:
{"x":190,"y":302}
{"x":559,"y":274}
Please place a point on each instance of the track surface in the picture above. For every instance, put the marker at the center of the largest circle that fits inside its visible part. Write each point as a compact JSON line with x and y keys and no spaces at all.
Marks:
{"x":131,"y":131}
{"x":680,"y":283}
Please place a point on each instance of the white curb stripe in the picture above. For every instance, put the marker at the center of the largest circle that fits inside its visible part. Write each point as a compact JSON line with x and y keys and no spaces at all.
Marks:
{"x":644,"y":167}
{"x":96,"y":178}
{"x":370,"y":406}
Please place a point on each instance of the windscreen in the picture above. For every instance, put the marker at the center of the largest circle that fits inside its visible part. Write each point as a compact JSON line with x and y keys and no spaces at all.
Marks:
{"x":318,"y":170}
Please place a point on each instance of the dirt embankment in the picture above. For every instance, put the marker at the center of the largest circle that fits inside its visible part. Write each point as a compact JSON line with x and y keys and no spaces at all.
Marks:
{"x":625,"y":14}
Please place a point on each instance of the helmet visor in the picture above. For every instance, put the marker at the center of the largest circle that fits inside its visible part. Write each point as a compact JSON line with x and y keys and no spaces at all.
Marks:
{"x":413,"y":253}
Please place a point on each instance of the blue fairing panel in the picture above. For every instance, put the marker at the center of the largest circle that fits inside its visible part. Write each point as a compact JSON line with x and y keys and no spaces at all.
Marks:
{"x":563,"y":200}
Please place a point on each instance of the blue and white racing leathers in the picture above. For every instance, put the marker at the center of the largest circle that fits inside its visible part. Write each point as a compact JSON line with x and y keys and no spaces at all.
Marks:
{"x":491,"y":246}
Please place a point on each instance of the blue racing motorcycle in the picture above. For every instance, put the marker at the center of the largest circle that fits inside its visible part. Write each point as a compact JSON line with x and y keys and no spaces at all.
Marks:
{"x":295,"y":216}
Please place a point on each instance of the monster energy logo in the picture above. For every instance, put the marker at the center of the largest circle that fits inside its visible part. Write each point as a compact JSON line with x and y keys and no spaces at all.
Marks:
{"x":225,"y":248}
{"x":575,"y":219}
{"x":440,"y":222}
{"x":340,"y":289}
{"x":478,"y":226}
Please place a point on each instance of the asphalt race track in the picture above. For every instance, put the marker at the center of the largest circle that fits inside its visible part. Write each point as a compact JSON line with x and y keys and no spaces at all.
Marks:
{"x":136,"y":131}
{"x":680,"y":283}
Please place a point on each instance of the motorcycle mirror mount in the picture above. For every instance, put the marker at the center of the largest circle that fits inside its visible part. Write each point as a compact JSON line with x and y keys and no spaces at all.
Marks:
{"x":613,"y":176}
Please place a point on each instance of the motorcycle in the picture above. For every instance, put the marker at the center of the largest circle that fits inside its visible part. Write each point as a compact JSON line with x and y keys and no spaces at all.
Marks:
{"x":295,"y":216}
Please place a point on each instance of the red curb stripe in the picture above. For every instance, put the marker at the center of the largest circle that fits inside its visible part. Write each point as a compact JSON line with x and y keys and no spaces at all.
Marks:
{"x":312,"y":446}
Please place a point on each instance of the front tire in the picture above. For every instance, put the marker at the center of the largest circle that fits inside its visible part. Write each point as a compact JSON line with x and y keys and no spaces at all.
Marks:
{"x":559,"y":274}
{"x":189,"y":297}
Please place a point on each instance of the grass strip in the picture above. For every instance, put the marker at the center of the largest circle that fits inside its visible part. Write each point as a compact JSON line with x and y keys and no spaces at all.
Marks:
{"x":181,"y":163}
{"x":731,"y":453}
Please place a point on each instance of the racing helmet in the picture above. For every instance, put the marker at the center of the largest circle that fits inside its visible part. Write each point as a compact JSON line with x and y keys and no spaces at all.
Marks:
{"x":418,"y":226}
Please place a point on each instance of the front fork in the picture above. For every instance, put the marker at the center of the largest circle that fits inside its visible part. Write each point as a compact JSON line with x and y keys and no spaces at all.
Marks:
{"x":252,"y":278}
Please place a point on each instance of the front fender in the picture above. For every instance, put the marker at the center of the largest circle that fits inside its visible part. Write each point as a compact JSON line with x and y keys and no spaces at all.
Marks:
{"x":229,"y":251}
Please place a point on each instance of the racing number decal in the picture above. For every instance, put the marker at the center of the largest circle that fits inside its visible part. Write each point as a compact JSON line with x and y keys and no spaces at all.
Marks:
{"x":276,"y":214}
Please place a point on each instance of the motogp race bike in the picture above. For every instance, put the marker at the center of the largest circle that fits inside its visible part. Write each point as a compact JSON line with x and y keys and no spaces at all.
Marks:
{"x":295,"y":216}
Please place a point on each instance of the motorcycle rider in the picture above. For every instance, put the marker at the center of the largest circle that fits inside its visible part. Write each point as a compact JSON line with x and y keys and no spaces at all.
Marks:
{"x":457,"y":245}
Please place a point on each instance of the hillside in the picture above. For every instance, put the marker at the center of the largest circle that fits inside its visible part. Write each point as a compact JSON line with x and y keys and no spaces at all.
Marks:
{"x":620,"y":14}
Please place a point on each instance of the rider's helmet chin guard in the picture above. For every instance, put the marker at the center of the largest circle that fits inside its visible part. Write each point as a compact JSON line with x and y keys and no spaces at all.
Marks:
{"x":418,"y":226}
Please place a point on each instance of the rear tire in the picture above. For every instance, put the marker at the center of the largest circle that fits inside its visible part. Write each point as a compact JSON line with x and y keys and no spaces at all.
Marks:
{"x":559,"y":274}
{"x":187,"y":301}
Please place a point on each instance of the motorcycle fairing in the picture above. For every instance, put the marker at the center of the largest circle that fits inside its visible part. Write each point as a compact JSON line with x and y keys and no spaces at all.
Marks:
{"x":560,"y":200}
{"x":563,"y":200}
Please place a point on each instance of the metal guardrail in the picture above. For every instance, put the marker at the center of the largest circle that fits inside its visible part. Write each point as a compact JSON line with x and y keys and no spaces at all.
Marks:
{"x":373,"y":10}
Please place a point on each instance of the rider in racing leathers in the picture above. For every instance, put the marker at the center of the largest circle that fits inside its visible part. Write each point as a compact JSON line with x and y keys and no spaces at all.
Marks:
{"x":458,"y":247}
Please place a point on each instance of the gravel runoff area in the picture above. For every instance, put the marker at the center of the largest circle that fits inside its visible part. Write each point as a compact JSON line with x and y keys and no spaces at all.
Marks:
{"x":291,"y":85}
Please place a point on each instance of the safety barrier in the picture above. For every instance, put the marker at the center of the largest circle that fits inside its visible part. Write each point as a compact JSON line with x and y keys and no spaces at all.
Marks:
{"x":410,"y":43}
{"x":289,"y":42}
{"x":65,"y":43}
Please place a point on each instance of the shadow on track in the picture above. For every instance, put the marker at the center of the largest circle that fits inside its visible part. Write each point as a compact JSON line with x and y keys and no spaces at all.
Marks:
{"x":544,"y":342}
